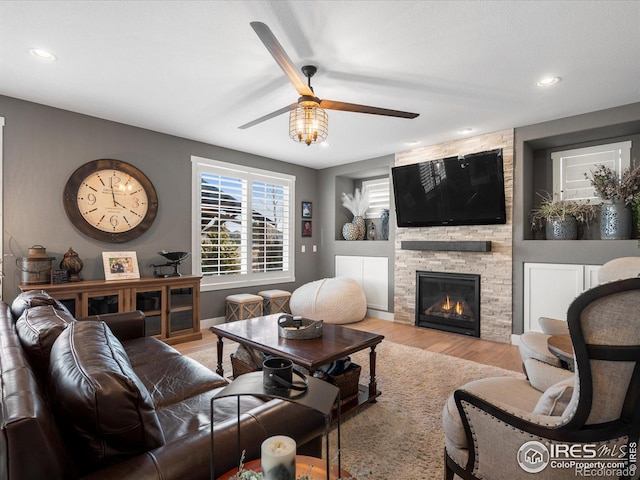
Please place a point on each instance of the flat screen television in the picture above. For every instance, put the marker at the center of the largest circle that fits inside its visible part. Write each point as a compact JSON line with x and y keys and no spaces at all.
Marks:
{"x":465,"y":190}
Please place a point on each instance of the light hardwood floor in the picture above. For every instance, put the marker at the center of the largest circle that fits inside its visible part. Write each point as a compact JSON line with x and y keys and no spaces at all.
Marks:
{"x":462,"y":346}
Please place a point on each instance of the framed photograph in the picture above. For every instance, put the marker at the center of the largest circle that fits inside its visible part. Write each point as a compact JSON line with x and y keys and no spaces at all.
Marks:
{"x":306,"y":209}
{"x":120,"y":265}
{"x":59,"y":276}
{"x":306,"y":228}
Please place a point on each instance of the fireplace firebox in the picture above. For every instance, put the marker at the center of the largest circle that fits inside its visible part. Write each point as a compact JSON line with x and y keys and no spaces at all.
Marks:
{"x":448,"y":301}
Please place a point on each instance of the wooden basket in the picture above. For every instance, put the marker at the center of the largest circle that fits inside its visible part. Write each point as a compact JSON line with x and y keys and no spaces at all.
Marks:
{"x":347,"y":381}
{"x":239,"y":367}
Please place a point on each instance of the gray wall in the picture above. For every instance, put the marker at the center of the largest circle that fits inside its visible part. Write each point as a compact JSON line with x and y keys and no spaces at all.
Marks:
{"x":44,"y":145}
{"x":533,"y":146}
{"x":345,"y":178}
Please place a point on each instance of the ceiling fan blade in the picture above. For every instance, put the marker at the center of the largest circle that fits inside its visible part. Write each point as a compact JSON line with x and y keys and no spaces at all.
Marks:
{"x":271,"y":42}
{"x":268,"y":116}
{"x":353,"y":107}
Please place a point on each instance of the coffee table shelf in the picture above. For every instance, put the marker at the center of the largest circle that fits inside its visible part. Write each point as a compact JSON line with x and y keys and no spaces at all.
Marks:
{"x":335,"y":343}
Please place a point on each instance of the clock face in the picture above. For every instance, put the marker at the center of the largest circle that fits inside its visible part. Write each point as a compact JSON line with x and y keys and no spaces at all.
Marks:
{"x":110,"y":200}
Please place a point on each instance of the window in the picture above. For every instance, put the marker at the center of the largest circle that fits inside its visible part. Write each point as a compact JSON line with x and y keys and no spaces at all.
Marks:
{"x":242,"y":225}
{"x":378,"y":196}
{"x":569,"y":167}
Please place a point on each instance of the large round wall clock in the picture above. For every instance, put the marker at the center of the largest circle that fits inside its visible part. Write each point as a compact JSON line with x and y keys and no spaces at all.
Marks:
{"x":110,"y":200}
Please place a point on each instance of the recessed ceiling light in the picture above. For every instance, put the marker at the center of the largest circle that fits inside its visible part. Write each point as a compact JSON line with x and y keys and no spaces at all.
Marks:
{"x":325,"y":144}
{"x":42,"y":54}
{"x":464,"y":131}
{"x":548,"y":81}
{"x":411,"y":143}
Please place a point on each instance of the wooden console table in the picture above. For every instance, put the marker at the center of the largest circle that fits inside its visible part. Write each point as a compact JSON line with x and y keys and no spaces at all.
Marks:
{"x":171,"y":305}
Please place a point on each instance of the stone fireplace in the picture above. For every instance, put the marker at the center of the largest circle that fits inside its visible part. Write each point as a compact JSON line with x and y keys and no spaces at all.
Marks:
{"x":449,"y":302}
{"x":445,"y":249}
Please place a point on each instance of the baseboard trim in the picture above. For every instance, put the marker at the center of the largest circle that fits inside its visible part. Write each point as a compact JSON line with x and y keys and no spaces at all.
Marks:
{"x":379,"y":314}
{"x":515,"y":339}
{"x":210,"y":322}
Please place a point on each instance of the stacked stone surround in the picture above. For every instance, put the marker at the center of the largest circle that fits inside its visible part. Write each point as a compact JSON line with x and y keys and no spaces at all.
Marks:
{"x":494,"y":267}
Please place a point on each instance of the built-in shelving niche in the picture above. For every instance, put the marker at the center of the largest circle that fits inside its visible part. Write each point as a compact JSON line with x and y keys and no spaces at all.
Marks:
{"x":538,"y":169}
{"x":348,"y":184}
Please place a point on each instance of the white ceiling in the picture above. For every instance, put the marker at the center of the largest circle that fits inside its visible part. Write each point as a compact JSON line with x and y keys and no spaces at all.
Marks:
{"x":196,"y":69}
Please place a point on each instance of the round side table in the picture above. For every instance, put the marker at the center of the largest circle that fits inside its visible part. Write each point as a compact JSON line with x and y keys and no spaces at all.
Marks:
{"x":561,"y":347}
{"x":312,"y":466}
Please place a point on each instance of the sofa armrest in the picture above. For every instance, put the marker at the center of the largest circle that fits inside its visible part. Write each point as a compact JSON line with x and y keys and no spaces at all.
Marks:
{"x":125,"y":325}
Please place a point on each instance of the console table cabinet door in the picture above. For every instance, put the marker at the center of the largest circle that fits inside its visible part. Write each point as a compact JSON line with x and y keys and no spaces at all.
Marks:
{"x":150,"y":301}
{"x":171,"y":305}
{"x":101,"y":303}
{"x":181,"y":310}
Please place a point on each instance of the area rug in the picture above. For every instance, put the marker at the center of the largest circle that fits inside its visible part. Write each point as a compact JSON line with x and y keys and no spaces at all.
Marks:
{"x":399,"y":436}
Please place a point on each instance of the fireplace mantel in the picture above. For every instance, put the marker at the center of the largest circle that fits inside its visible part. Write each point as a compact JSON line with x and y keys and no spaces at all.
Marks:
{"x":450,"y":246}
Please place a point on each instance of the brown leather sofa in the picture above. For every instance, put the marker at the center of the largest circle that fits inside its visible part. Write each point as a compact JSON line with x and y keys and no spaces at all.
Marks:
{"x":96,"y":399}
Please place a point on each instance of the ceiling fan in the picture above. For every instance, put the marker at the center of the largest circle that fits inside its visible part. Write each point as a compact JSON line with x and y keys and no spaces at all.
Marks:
{"x":308,"y":122}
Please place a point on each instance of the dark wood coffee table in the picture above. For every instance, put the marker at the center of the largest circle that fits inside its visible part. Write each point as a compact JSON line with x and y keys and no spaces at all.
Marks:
{"x":336,"y":342}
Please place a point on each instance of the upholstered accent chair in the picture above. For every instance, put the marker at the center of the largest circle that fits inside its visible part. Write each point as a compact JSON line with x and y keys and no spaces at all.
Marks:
{"x":487,"y":421}
{"x":533,"y":345}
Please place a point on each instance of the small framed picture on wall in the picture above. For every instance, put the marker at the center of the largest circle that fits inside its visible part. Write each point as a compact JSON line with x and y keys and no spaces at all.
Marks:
{"x":306,"y":209}
{"x":306,"y":228}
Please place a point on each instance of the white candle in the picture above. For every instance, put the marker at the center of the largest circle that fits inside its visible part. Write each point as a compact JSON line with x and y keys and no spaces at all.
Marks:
{"x":278,"y":458}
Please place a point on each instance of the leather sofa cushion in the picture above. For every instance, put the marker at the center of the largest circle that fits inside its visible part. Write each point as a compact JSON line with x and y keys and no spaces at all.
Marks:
{"x":38,"y":328}
{"x":173,"y":379}
{"x":34,"y":298}
{"x":106,"y":409}
{"x":147,"y":349}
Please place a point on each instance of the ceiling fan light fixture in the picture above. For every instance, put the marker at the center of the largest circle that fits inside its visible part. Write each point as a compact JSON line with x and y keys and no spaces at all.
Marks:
{"x":308,"y":124}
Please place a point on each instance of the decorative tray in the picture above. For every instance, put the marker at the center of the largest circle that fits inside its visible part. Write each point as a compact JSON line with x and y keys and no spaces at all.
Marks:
{"x":298,"y":328}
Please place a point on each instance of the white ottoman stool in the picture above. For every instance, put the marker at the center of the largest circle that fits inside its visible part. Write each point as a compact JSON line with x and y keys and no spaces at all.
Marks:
{"x":242,"y":306}
{"x":275,"y":301}
{"x":333,"y":300}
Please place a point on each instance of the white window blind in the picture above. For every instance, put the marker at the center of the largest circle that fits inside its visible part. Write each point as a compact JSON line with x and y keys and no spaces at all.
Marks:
{"x":242,"y":225}
{"x":569,"y":167}
{"x":378,"y":196}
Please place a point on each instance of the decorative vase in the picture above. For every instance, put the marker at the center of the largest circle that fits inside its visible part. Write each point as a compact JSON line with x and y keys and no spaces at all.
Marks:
{"x":72,"y":264}
{"x":560,"y":228}
{"x":362,"y":228}
{"x":350,"y":231}
{"x":615,"y":221}
{"x":385,"y":224}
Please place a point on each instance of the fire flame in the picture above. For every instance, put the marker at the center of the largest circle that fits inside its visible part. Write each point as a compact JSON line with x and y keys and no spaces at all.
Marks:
{"x":448,"y":306}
